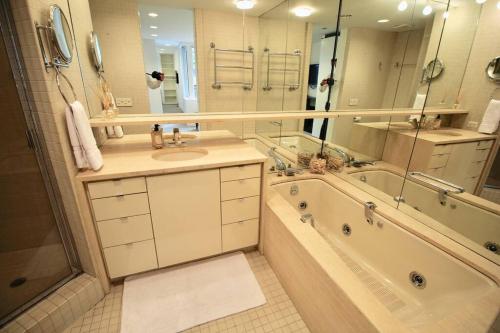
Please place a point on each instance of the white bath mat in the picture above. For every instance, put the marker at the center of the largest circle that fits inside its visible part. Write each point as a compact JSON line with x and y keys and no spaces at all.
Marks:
{"x":175,"y":299}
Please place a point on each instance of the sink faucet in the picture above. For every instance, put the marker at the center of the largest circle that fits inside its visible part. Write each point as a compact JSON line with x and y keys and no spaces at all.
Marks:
{"x":177,"y":137}
{"x":345,"y":156}
{"x":280,"y":165}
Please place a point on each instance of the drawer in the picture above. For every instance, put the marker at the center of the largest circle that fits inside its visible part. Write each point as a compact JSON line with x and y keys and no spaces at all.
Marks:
{"x":438,"y":161}
{"x":131,"y":258}
{"x":240,"y":188}
{"x":240,"y":172}
{"x":240,"y":235}
{"x":121,"y":206}
{"x":484,"y":144}
{"x":111,"y":188}
{"x":481,"y":154}
{"x":125,"y":230}
{"x":441,"y":149}
{"x":435,"y":172}
{"x":475,"y":168}
{"x":240,"y":209}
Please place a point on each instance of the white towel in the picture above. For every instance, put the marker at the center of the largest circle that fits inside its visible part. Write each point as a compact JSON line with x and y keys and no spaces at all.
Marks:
{"x":110,"y":131}
{"x":418,"y":104}
{"x":82,"y":138}
{"x":491,"y":117}
{"x":118,"y":131}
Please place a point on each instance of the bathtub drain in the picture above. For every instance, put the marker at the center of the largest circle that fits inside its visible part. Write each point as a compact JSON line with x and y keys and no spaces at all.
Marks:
{"x":418,"y":280}
{"x":492,"y":246}
{"x":302,"y":205}
{"x":346,"y":229}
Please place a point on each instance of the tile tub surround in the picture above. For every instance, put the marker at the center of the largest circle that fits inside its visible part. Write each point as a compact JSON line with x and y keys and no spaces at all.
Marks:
{"x":131,"y":156}
{"x":277,"y":315}
{"x":475,"y":316}
{"x":60,"y":309}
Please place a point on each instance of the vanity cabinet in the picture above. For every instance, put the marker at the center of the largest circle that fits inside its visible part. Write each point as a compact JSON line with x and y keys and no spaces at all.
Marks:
{"x":151,"y":222}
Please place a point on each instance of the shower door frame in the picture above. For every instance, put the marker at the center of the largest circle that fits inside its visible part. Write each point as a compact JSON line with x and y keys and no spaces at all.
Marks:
{"x":34,"y":135}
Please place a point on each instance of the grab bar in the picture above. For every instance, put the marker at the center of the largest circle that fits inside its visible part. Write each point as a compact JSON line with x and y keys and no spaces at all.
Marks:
{"x":245,"y":84}
{"x":425,"y":178}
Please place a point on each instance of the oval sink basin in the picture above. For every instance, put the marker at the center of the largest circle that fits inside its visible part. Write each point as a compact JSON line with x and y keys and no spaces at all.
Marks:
{"x":445,"y":132}
{"x":179,"y":154}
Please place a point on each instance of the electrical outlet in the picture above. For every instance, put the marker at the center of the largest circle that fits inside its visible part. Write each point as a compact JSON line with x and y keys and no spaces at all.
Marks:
{"x":472,"y":124}
{"x":124,"y":101}
{"x":353,"y":101}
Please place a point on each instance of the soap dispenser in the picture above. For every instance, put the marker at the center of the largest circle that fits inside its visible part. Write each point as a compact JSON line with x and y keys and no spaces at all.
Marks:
{"x":157,"y":137}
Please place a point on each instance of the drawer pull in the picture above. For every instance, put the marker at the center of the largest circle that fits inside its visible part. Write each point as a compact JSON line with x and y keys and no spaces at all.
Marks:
{"x":242,"y":200}
{"x":119,"y":194}
{"x":120,"y":197}
{"x":124,"y":219}
{"x":242,"y":181}
{"x":117,"y":182}
{"x":129,"y":244}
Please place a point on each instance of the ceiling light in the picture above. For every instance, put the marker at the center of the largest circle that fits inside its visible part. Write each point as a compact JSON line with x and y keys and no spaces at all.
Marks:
{"x":480,"y":1}
{"x":383,"y":21}
{"x":427,"y":10}
{"x":153,"y":14}
{"x":302,"y":11}
{"x":244,"y":4}
{"x":498,"y":5}
{"x":154,"y":35}
{"x":403,"y":5}
{"x":153,"y":27}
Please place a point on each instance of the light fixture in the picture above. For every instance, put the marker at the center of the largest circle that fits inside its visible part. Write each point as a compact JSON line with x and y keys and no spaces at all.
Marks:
{"x":244,"y":4}
{"x":302,"y":11}
{"x":427,"y":10}
{"x":383,"y":21}
{"x":153,"y":27}
{"x":154,"y":35}
{"x":153,"y":14}
{"x":403,"y":5}
{"x":480,"y":1}
{"x":498,"y":5}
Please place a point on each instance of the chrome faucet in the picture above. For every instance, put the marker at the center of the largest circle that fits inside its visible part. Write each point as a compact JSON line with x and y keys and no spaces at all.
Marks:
{"x":280,"y":165}
{"x":345,"y":156}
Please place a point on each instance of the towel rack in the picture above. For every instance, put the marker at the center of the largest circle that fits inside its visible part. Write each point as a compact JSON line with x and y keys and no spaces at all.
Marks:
{"x":247,"y":85}
{"x":436,"y":182}
{"x":297,"y":54}
{"x":59,"y":74}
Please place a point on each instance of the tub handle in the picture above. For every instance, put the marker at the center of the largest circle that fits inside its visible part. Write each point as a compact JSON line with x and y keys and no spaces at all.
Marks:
{"x":369,"y":209}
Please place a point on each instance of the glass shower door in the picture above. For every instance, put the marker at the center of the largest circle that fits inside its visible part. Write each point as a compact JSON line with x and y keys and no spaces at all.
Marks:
{"x":33,"y":257}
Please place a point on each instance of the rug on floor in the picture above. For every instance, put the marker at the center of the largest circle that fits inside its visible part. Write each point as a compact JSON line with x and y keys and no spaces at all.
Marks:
{"x":178,"y":298}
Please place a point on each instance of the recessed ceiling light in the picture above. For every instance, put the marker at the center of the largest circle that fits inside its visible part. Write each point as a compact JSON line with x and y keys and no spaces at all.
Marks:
{"x":244,"y":4}
{"x":154,"y":35}
{"x":480,"y":1}
{"x":153,"y":27}
{"x":403,"y":5}
{"x":498,"y":5}
{"x":153,"y":14}
{"x":383,"y":21}
{"x":427,"y":10}
{"x":302,"y":11}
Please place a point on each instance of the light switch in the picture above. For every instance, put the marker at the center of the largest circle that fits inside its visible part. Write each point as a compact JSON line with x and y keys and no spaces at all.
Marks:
{"x":124,"y":101}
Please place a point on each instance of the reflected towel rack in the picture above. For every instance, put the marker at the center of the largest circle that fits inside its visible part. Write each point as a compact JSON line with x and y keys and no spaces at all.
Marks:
{"x":295,"y":54}
{"x":247,"y":85}
{"x":436,"y":182}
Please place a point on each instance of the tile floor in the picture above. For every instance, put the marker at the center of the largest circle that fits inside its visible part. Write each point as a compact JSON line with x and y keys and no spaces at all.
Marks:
{"x":277,"y":315}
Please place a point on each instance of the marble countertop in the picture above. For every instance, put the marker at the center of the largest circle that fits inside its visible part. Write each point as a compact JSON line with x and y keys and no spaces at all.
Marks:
{"x":131,"y":155}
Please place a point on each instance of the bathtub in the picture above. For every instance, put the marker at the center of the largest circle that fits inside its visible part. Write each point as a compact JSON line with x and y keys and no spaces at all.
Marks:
{"x":297,"y":143}
{"x":414,"y":281}
{"x":477,"y":224}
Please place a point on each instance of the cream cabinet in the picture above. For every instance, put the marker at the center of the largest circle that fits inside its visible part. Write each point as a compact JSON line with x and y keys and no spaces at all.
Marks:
{"x":145,"y":223}
{"x":185,"y":210}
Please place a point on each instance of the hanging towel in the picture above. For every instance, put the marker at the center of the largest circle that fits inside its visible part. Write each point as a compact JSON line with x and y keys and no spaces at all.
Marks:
{"x":81,"y":160}
{"x":118,"y":131}
{"x":491,"y":117}
{"x":79,"y":129}
{"x":418,"y":104}
{"x":110,"y":131}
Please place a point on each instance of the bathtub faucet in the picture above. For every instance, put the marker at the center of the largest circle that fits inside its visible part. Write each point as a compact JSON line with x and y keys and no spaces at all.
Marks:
{"x":280,"y":165}
{"x":345,"y":156}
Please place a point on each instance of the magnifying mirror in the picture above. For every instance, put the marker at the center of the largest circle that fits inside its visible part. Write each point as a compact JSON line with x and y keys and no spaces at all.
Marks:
{"x":493,"y":69}
{"x":433,"y":69}
{"x":61,"y":34}
{"x":96,"y":52}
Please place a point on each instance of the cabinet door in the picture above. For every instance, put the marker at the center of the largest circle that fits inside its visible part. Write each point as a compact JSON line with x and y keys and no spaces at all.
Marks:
{"x":185,"y":211}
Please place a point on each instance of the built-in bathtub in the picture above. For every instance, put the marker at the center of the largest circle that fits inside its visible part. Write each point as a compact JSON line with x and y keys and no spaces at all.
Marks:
{"x":416,"y":282}
{"x":474,"y":222}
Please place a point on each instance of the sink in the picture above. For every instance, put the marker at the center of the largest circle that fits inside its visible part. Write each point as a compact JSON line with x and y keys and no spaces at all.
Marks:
{"x":445,"y":132}
{"x":179,"y":154}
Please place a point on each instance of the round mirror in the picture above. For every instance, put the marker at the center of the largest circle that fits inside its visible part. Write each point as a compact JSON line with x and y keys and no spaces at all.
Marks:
{"x":62,"y":38}
{"x":96,"y":51}
{"x":433,"y":69}
{"x":493,"y":69}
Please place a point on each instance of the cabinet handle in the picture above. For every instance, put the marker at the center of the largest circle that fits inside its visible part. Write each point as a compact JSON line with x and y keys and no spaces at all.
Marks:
{"x":124,"y":219}
{"x":117,"y":182}
{"x":120,"y":197}
{"x":242,"y":199}
{"x":129,"y":244}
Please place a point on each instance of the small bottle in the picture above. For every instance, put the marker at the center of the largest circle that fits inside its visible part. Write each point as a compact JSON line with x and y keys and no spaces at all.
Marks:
{"x":157,"y":137}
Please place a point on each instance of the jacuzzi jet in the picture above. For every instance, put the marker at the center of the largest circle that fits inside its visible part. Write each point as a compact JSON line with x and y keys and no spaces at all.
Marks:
{"x":302,"y":205}
{"x":363,"y":178}
{"x":346,"y":229}
{"x":492,"y":246}
{"x":418,"y":280}
{"x":307,"y":218}
{"x":294,"y":189}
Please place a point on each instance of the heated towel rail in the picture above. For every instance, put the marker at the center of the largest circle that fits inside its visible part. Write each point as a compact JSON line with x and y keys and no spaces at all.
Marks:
{"x":296,"y":54}
{"x":218,"y":83}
